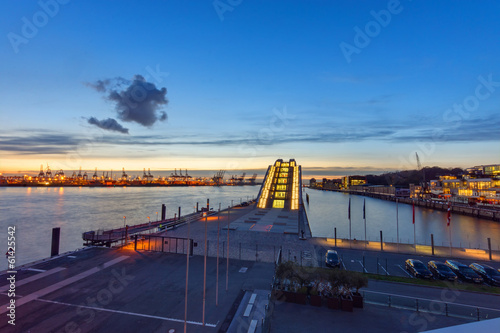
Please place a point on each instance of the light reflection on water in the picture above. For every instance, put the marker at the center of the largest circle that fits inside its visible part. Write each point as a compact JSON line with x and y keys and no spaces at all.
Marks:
{"x":327,"y":210}
{"x":35,"y":211}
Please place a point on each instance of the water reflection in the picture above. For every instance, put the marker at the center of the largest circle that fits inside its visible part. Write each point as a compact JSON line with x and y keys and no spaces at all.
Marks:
{"x":329,"y":210}
{"x":35,"y":211}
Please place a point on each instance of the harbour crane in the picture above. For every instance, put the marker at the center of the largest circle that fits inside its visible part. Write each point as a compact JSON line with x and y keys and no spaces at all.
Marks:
{"x":218,"y":177}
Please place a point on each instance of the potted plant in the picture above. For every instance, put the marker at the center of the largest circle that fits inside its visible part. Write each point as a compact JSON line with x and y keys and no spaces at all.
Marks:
{"x":285,"y":273}
{"x":345,"y":281}
{"x":359,"y":281}
{"x":314,"y":297}
{"x":301,"y":296}
{"x":333,"y":293}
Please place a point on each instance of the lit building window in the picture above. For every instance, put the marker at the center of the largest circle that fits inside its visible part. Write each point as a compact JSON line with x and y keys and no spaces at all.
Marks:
{"x":279,"y":204}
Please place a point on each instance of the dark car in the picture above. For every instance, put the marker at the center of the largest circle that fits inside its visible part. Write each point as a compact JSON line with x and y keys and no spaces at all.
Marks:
{"x":488,"y":273}
{"x":332,"y":259}
{"x":417,"y":269}
{"x":441,"y":271}
{"x":464,"y":272}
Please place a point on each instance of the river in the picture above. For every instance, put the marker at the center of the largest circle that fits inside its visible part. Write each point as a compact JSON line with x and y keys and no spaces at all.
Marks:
{"x":328,"y":210}
{"x":34,"y":211}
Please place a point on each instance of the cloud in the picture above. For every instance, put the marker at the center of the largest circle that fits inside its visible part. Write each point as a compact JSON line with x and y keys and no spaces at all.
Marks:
{"x":99,"y":85}
{"x":109,"y":124}
{"x":136,"y":101}
{"x":44,"y":143}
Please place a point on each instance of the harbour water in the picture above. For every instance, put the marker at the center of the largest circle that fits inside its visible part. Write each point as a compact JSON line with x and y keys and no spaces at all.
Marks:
{"x":328,"y":210}
{"x":36,"y":210}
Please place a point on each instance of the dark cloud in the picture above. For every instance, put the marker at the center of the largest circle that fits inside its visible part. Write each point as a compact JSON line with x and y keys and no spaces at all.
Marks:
{"x":472,"y":130}
{"x":109,"y":124}
{"x":99,"y":85}
{"x":38,"y":143}
{"x":136,"y":101}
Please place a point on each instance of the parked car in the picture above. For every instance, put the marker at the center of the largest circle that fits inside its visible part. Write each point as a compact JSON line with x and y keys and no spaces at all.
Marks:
{"x":488,"y":273}
{"x":464,"y":272}
{"x":441,"y":271}
{"x":417,"y":269}
{"x":332,"y":259}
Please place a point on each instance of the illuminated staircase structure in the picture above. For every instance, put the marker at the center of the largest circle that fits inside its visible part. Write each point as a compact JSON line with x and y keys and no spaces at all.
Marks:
{"x":281,"y":186}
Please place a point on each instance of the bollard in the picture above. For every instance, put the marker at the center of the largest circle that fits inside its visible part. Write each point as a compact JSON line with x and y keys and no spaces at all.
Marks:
{"x":335,"y":234}
{"x":179,"y":216}
{"x":381,"y":241}
{"x":163,"y":212}
{"x":197,"y":209}
{"x":432,"y":243}
{"x":56,"y":235}
{"x":489,"y":246}
{"x":208,"y":205}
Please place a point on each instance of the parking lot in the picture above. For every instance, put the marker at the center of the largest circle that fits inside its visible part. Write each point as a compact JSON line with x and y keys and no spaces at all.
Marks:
{"x":384,"y":263}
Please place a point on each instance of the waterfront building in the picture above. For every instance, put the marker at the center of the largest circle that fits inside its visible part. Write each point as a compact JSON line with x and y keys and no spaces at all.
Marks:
{"x":349,"y":181}
{"x":281,"y":186}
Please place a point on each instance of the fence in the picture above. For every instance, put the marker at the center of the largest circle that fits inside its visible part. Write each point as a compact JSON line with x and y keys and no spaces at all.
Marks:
{"x":435,"y":307}
{"x":157,"y":243}
{"x":250,"y":251}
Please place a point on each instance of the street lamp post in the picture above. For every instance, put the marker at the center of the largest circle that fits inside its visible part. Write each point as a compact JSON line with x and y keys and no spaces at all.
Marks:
{"x":124,"y":221}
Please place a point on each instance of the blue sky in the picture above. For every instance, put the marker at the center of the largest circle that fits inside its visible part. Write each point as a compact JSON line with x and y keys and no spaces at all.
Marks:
{"x":251,"y":81}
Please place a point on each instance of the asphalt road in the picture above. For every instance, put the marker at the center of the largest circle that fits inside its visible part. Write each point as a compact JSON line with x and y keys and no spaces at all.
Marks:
{"x":105,"y":290}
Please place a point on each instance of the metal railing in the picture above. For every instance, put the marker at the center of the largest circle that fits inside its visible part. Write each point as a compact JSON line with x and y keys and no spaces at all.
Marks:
{"x":436,"y":307}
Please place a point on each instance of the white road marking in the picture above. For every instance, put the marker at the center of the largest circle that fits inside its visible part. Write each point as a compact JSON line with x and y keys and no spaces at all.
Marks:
{"x":127,"y":313}
{"x":33,"y":278}
{"x":404,"y":270}
{"x":386,"y":272}
{"x":63,"y":283}
{"x":36,"y":270}
{"x":361,"y":263}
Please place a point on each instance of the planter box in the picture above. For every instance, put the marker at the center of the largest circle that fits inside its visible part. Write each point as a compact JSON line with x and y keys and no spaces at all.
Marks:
{"x":333,"y":302}
{"x":346,"y":303}
{"x":278,"y":294}
{"x":315,"y":300}
{"x":289,"y":296}
{"x":357,"y":300}
{"x":300,"y":298}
